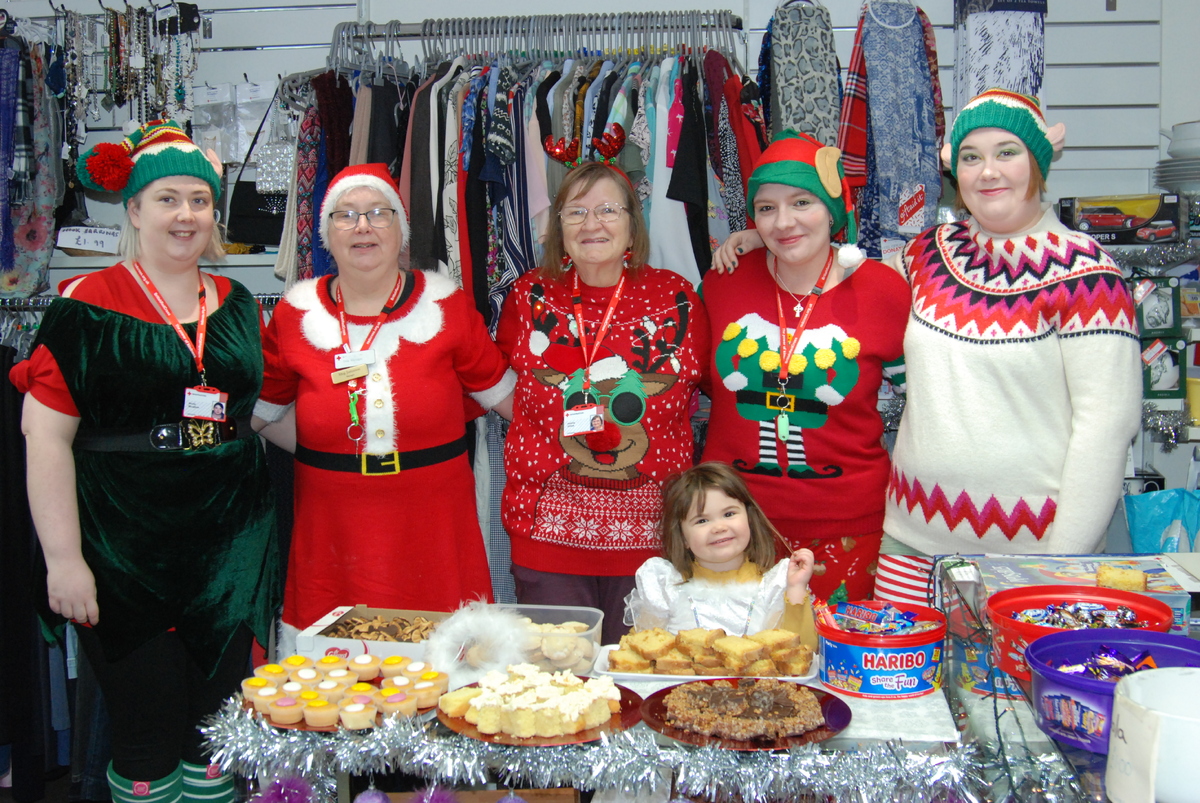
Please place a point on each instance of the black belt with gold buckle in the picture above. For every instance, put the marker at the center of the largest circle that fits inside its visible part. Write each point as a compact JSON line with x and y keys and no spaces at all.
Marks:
{"x":784,"y":402}
{"x":187,"y":435}
{"x":381,"y":465}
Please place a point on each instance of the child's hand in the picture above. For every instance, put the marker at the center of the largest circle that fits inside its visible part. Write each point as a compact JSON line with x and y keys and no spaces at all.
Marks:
{"x":725,"y":258}
{"x":800,"y":571}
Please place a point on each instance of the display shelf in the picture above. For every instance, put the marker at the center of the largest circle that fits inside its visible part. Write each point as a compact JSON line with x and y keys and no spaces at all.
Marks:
{"x":61,"y":261}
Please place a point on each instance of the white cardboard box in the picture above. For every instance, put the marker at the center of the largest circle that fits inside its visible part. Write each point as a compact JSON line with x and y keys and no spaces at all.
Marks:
{"x":310,"y":642}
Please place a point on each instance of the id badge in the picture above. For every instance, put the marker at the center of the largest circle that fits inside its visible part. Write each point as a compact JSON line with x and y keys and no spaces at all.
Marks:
{"x":206,"y":403}
{"x":347,"y":359}
{"x":582,"y":420}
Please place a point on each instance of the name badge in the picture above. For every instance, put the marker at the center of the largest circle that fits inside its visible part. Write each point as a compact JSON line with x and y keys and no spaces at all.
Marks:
{"x":346,"y":359}
{"x":582,"y":420}
{"x":346,"y":374}
{"x":206,"y":403}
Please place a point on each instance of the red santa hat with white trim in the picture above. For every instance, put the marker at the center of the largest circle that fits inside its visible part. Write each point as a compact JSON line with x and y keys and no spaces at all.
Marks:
{"x":374,"y":176}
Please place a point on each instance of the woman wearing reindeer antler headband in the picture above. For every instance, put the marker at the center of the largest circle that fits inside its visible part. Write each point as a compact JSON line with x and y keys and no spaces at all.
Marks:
{"x":595,"y":332}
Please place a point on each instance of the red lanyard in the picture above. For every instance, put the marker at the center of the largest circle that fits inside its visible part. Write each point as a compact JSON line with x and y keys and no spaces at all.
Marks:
{"x":605,"y":325}
{"x":388,"y":306}
{"x":196,"y":350}
{"x":785,"y":355}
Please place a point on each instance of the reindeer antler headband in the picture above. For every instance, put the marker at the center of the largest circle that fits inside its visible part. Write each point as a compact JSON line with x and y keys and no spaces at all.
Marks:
{"x":608,"y":146}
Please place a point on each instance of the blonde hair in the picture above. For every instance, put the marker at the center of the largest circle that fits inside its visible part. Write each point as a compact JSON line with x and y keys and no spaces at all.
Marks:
{"x":685,"y":493}
{"x":129,"y":243}
{"x":579,"y":181}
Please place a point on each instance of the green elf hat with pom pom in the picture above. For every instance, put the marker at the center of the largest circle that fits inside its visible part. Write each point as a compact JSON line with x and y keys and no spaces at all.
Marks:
{"x":798,"y":160}
{"x":1016,"y":113}
{"x":158,"y":149}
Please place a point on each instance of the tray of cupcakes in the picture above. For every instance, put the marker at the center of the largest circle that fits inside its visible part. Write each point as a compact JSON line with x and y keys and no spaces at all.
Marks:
{"x":306,"y":694}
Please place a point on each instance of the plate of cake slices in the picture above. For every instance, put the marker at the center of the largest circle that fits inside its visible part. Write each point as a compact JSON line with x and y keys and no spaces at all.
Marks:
{"x":746,"y":713}
{"x":657,"y":655}
{"x":528,"y":707}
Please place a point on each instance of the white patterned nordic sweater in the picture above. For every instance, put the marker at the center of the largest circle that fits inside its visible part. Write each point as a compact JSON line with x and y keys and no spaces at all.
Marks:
{"x":1024,"y":391}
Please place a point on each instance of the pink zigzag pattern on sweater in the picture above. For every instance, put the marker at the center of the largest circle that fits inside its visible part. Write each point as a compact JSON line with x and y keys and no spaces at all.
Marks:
{"x":911,"y":494}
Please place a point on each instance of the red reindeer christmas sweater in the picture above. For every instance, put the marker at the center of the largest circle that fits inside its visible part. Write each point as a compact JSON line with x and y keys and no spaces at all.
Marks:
{"x":591,"y":504}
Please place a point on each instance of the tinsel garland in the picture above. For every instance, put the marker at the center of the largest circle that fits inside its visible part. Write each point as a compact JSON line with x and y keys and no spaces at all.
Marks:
{"x":631,"y":762}
{"x":891,"y":411}
{"x":1154,"y":256}
{"x":1168,"y":427}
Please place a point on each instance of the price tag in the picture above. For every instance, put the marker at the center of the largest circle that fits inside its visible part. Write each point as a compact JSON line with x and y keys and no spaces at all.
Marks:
{"x":1153,"y":351}
{"x":137,"y":61}
{"x":1132,"y":752}
{"x":346,"y":359}
{"x":103,"y":241}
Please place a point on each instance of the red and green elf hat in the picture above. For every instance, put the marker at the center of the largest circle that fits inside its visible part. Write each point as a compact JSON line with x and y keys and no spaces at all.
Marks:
{"x":158,"y":149}
{"x":798,"y":160}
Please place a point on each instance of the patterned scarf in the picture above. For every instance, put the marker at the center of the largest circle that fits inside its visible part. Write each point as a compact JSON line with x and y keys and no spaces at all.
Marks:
{"x":852,"y":128}
{"x":805,"y":72}
{"x":9,"y":71}
{"x":306,"y":178}
{"x":999,"y":48}
{"x":33,"y":223}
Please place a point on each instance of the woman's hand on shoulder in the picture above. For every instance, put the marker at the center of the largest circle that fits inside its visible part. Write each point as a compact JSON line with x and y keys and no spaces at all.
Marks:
{"x":725,"y":258}
{"x":72,"y":589}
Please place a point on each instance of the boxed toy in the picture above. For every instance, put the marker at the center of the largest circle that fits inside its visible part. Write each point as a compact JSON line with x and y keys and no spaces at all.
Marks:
{"x":1127,"y":219}
{"x":1001,"y":572}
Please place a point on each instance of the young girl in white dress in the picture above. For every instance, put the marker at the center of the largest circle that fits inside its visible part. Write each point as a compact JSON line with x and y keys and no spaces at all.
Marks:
{"x":719,"y":569}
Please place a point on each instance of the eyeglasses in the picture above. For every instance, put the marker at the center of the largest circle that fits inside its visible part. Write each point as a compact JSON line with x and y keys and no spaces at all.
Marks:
{"x":348,"y":219}
{"x":605,"y":213}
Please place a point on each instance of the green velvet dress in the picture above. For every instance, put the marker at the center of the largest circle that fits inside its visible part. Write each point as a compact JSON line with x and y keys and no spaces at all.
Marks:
{"x":184,"y":539}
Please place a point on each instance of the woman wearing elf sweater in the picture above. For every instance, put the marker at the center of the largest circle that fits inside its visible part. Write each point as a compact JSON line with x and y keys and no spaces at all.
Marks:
{"x":1024,"y":386}
{"x":801,"y":341}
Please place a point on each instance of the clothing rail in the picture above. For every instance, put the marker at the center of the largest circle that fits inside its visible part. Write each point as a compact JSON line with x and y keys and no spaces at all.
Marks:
{"x":544,"y":36}
{"x":38,"y":303}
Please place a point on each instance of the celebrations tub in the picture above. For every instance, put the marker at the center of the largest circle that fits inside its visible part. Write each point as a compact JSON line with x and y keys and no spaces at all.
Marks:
{"x":884,"y":666}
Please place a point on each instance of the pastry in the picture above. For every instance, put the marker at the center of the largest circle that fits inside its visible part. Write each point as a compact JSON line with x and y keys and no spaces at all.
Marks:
{"x":308,"y":695}
{"x":399,"y":682}
{"x":1110,"y":576}
{"x":328,"y":663}
{"x":331,"y":690}
{"x":697,"y":641}
{"x":776,"y":639}
{"x":360,"y":688}
{"x":427,"y":693}
{"x":320,"y":714}
{"x":263,"y":697}
{"x":294,"y":662}
{"x":738,"y":651}
{"x":456,"y":703}
{"x":439,"y":679}
{"x":291,"y":688}
{"x":253,"y":684}
{"x":527,"y":702}
{"x":286,"y":710}
{"x":357,"y":716}
{"x":307,"y":676}
{"x":366,"y":666}
{"x":652,"y":644}
{"x":274,"y":673}
{"x":414,"y":669}
{"x":393,"y":664}
{"x":346,"y":676}
{"x":397,"y":702}
{"x":628,"y":661}
{"x":379,"y":629}
{"x":753,"y":709}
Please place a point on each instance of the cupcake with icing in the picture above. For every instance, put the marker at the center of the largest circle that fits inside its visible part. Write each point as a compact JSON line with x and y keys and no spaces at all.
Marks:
{"x":366,"y":666}
{"x":320,"y":714}
{"x":286,"y":710}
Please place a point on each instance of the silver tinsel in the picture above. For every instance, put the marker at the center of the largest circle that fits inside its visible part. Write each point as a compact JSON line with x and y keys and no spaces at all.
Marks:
{"x":632,"y":762}
{"x":1168,"y":427}
{"x":1153,"y":256}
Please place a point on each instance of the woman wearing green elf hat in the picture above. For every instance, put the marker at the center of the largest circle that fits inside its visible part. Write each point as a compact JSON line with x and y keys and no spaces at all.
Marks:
{"x":1022,"y":355}
{"x":147,"y":486}
{"x":802,"y":336}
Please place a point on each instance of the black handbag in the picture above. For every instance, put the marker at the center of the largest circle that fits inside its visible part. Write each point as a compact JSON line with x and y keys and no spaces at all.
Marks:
{"x":255,"y":218}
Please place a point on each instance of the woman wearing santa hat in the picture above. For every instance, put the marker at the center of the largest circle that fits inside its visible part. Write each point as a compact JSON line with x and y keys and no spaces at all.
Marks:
{"x":147,"y":486}
{"x":802,"y":335}
{"x":376,"y":360}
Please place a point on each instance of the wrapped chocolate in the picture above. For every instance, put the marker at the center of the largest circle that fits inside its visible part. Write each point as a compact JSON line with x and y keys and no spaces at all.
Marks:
{"x":1108,"y":663}
{"x":1079,"y":615}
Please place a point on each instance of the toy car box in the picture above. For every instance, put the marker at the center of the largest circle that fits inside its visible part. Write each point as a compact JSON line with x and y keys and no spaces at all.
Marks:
{"x":1127,"y":219}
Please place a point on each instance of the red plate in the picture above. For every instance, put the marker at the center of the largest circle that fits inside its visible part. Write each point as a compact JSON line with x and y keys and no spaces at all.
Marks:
{"x":626,"y":718}
{"x":836,"y":711}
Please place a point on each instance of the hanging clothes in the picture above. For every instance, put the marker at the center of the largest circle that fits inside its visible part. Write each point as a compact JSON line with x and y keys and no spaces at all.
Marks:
{"x":33,"y":220}
{"x":804,"y":72}
{"x":908,"y":166}
{"x":1005,"y":49}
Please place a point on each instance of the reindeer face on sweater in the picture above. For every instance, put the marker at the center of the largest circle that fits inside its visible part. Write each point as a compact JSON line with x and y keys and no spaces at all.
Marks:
{"x":614,"y":452}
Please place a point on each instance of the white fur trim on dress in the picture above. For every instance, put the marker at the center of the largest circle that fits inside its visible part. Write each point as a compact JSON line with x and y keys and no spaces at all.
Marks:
{"x":270,"y":412}
{"x":487,"y":399}
{"x":420,"y":325}
{"x":334,"y":194}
